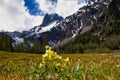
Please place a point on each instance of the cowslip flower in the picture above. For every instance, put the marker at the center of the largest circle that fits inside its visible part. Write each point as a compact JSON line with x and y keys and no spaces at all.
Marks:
{"x":47,"y":47}
{"x":41,"y":65}
{"x":45,"y":55}
{"x":59,"y":57}
{"x":51,"y":57}
{"x":67,"y":59}
{"x":58,"y":64}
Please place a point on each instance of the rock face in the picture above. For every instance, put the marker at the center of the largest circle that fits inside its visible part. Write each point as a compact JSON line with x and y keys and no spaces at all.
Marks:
{"x":49,"y":18}
{"x":61,"y":31}
{"x":83,"y":20}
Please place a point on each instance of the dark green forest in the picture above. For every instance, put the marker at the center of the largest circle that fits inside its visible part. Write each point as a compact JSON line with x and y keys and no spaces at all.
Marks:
{"x":6,"y":45}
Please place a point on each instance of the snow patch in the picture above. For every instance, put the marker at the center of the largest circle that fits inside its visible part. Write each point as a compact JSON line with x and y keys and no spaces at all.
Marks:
{"x":76,"y":32}
{"x":18,"y":40}
{"x":83,"y":10}
{"x":67,"y":20}
{"x":47,"y":28}
{"x":94,"y":17}
{"x":74,"y":35}
{"x":96,"y":0}
{"x":91,"y":2}
{"x":39,"y":30}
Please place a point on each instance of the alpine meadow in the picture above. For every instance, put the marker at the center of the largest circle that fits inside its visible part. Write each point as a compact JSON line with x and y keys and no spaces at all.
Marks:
{"x":60,"y":40}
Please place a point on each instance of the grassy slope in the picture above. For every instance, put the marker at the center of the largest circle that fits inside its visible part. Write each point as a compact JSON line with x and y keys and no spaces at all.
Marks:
{"x":17,"y":65}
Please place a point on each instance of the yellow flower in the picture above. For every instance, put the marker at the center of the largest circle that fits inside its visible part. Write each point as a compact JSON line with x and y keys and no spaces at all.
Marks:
{"x":10,"y":61}
{"x":47,"y":47}
{"x":64,"y":64}
{"x":50,"y":48}
{"x":43,"y":62}
{"x":53,"y":58}
{"x":67,"y":60}
{"x":55,"y":53}
{"x":59,"y":57}
{"x":62,"y":69}
{"x":58,"y":64}
{"x":51,"y":52}
{"x":45,"y":55}
{"x":50,"y":58}
{"x":41,"y":65}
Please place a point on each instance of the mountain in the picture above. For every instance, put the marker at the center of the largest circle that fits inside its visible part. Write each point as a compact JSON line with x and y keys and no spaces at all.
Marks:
{"x":50,"y":21}
{"x":61,"y":31}
{"x":15,"y":34}
{"x":49,"y":18}
{"x":104,"y":33}
{"x":83,"y":20}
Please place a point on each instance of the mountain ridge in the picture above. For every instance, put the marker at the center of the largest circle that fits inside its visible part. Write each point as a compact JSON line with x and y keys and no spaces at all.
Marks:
{"x":80,"y":22}
{"x":89,"y":22}
{"x":103,"y":37}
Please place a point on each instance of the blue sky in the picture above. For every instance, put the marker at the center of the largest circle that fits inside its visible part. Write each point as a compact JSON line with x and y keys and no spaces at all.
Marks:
{"x":33,"y":7}
{"x":19,"y":15}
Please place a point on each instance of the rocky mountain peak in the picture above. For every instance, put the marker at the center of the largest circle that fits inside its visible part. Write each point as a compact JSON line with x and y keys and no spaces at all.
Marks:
{"x":49,"y":18}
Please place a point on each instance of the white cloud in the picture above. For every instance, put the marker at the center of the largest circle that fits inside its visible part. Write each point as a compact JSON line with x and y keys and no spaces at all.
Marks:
{"x":46,"y":6}
{"x":14,"y":17}
{"x":63,"y":7}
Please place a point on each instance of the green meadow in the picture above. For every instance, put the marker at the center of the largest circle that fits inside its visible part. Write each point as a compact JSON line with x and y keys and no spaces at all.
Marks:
{"x":24,"y":66}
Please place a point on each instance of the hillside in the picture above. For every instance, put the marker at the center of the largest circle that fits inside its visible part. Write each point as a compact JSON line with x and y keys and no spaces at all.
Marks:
{"x":103,"y":37}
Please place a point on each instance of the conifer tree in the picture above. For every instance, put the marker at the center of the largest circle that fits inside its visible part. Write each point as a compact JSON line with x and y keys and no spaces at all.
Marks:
{"x":6,"y":43}
{"x":18,"y":47}
{"x":26,"y":45}
{"x":45,"y":39}
{"x":37,"y":48}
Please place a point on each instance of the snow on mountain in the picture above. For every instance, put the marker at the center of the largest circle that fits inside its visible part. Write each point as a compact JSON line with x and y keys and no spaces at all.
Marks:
{"x":39,"y":30}
{"x":19,"y":40}
{"x":48,"y":27}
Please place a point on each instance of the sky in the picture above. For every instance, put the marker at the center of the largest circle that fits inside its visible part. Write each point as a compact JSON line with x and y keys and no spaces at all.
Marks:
{"x":19,"y":15}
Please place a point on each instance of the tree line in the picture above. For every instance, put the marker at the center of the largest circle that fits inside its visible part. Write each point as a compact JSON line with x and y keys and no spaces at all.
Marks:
{"x":34,"y":46}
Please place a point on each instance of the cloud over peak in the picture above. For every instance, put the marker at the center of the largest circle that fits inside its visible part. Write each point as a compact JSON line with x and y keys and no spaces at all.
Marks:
{"x":13,"y":16}
{"x":61,"y":7}
{"x":19,"y":15}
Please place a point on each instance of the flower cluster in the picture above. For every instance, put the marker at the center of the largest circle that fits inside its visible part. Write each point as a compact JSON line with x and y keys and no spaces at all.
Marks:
{"x":51,"y":57}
